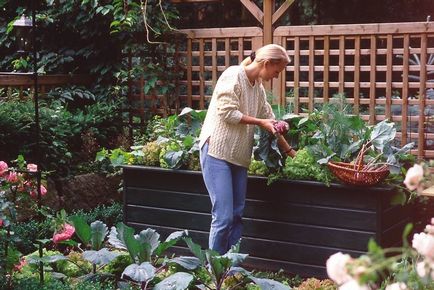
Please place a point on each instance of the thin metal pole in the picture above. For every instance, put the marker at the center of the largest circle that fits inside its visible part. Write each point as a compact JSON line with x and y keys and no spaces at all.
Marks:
{"x":37,"y":131}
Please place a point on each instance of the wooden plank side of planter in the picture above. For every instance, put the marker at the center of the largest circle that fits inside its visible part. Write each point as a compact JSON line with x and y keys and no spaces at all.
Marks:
{"x":255,"y":228}
{"x":292,"y":257}
{"x":267,"y":210}
{"x":293,"y":225}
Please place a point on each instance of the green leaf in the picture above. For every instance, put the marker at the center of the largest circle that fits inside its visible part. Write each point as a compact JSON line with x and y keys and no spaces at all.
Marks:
{"x":170,"y":241}
{"x":268,"y":284}
{"x":177,"y":281}
{"x":140,"y":273}
{"x":123,"y":237}
{"x":174,"y":159}
{"x":101,"y":257}
{"x":407,"y":231}
{"x":195,"y":249}
{"x":189,"y":263}
{"x":382,"y":134}
{"x":99,"y":232}
{"x":82,"y":229}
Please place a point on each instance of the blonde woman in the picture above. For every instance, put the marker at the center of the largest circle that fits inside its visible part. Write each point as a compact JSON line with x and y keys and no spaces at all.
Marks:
{"x":238,"y":104}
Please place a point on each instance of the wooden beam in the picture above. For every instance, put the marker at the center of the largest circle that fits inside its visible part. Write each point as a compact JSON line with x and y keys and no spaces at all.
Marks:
{"x":254,"y":10}
{"x":193,"y":1}
{"x":281,"y":11}
{"x":268,"y":25}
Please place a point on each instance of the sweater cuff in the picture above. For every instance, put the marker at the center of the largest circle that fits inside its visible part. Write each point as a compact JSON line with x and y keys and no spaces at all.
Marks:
{"x":234,"y":117}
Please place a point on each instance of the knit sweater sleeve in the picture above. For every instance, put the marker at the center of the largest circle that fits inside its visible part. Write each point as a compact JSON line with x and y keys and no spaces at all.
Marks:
{"x":228,"y":100}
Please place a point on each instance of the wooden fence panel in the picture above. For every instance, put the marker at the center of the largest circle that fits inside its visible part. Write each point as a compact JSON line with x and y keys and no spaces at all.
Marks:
{"x":385,"y":71}
{"x":208,"y":53}
{"x":21,"y":85}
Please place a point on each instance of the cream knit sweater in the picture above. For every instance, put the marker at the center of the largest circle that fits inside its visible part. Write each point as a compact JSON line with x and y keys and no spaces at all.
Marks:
{"x":233,"y":97}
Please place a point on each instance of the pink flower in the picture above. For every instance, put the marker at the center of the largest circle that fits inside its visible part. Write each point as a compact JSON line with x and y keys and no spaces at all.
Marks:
{"x":32,"y":167}
{"x":353,"y":285}
{"x":1,"y":223}
{"x":336,"y":267}
{"x":34,"y":193}
{"x":397,"y":286}
{"x":20,"y":265}
{"x":12,"y":177}
{"x":64,"y":234}
{"x":424,"y":244}
{"x":413,"y":177}
{"x":3,"y":168}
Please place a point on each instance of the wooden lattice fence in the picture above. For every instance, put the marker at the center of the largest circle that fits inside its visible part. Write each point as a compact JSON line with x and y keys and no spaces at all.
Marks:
{"x":385,"y":71}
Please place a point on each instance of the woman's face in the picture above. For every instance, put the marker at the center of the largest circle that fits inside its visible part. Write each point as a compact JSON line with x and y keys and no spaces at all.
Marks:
{"x":272,"y":70}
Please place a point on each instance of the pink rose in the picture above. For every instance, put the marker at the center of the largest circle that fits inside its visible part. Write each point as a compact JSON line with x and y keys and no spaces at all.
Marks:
{"x":32,"y":167}
{"x":20,"y":265}
{"x":64,"y":234}
{"x":413,"y":177}
{"x":3,"y":168}
{"x":12,"y":177}
{"x":1,"y":223}
{"x":34,"y":193}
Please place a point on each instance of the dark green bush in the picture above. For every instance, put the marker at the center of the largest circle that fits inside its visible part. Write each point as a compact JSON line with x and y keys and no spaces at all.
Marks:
{"x":52,"y":284}
{"x":67,"y":138}
{"x":32,"y":229}
{"x":109,"y":214}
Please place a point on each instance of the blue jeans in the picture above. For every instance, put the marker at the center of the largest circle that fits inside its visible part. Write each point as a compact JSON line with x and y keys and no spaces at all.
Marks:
{"x":226,"y":184}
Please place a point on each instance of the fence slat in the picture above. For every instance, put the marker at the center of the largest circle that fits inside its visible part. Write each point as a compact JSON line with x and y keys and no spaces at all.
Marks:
{"x":372,"y":62}
{"x":404,"y":112}
{"x":389,"y":76}
{"x":356,"y":93}
{"x":422,"y":95}
{"x":311,"y":73}
{"x":325,"y":91}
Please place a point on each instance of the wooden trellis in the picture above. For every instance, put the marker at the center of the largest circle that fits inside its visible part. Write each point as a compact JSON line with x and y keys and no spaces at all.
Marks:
{"x":384,"y":70}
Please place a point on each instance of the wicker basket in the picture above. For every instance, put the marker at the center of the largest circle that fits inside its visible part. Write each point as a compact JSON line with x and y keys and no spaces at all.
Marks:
{"x":355,"y":175}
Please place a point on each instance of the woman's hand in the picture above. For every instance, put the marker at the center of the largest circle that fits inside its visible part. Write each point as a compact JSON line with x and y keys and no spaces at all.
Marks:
{"x":268,"y":124}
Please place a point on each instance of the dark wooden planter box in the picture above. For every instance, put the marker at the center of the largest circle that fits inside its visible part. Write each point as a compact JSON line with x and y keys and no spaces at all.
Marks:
{"x":290,"y":225}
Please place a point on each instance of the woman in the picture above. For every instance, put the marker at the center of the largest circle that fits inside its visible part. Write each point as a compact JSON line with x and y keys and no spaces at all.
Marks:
{"x":238,"y":104}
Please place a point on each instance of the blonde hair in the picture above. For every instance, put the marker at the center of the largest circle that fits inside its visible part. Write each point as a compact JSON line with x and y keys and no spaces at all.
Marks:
{"x":270,"y":52}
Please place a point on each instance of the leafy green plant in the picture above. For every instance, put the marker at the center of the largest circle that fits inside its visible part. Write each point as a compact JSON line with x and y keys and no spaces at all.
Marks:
{"x":221,"y":267}
{"x":145,"y":250}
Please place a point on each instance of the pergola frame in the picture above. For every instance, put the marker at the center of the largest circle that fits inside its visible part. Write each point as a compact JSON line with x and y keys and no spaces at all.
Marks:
{"x":267,"y":17}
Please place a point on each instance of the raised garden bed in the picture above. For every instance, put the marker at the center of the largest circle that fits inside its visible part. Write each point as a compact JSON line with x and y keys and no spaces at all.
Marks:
{"x":290,"y":225}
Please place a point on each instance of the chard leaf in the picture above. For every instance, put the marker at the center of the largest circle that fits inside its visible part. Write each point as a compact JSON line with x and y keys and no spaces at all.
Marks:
{"x":189,"y":263}
{"x":268,"y":284}
{"x":170,"y":241}
{"x":82,"y":229}
{"x":382,"y":134}
{"x":151,"y":237}
{"x":101,"y":257}
{"x":99,"y":232}
{"x":177,"y":281}
{"x":236,"y":258}
{"x":140,"y":273}
{"x":196,"y":250}
{"x":174,"y":159}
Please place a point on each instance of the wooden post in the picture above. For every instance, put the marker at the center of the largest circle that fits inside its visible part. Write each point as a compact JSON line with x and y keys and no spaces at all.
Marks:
{"x":268,"y":6}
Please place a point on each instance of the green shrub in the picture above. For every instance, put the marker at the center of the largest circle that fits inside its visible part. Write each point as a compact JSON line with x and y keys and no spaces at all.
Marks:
{"x":108,"y":214}
{"x":63,"y":143}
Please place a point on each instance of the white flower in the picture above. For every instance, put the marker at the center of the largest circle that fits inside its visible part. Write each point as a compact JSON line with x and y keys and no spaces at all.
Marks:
{"x":397,"y":286}
{"x":353,"y":285}
{"x":336,"y":267}
{"x":413,"y":177}
{"x":424,"y":244}
{"x":424,"y":268}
